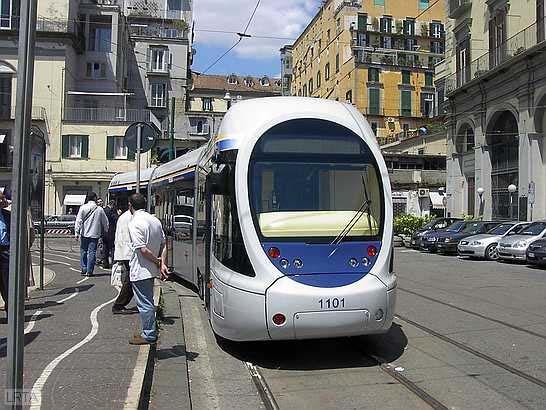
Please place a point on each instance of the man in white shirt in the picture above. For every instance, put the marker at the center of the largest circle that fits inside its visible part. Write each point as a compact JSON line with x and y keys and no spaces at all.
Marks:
{"x":149,"y":259}
{"x":91,"y":222}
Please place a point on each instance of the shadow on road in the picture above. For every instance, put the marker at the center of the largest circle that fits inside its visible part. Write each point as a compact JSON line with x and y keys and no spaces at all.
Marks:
{"x":29,"y":338}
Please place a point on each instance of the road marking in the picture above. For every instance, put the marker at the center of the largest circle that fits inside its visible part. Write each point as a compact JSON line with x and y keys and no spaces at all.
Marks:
{"x":82,"y":280}
{"x":63,"y":256}
{"x":41,"y":381}
{"x":29,"y":327}
{"x":69,"y":297}
{"x":58,"y":262}
{"x":133,"y":394}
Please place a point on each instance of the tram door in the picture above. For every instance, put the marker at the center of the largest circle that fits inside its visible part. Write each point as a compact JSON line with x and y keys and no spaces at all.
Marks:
{"x":182,"y":228}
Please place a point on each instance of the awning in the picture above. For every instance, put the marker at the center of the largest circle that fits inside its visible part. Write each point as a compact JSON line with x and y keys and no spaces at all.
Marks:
{"x":74,"y":200}
{"x":99,"y":93}
{"x":437,"y":200}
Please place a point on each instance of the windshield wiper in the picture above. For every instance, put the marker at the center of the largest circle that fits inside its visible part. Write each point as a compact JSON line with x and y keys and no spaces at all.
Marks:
{"x":363,"y":209}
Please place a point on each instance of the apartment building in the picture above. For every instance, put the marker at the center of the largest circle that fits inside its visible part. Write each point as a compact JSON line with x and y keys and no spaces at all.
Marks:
{"x":286,"y":70}
{"x":376,"y":54}
{"x":496,"y":97}
{"x":86,"y":91}
{"x":212,"y":95}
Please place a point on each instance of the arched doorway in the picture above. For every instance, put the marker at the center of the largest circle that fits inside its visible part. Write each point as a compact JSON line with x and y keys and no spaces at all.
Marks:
{"x":464,"y":144}
{"x":502,"y":139}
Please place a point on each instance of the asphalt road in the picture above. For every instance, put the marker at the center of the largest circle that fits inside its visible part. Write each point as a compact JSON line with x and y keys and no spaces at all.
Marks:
{"x":467,"y":335}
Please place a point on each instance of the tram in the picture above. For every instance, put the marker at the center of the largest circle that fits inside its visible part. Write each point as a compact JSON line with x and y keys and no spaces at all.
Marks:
{"x":289,"y":230}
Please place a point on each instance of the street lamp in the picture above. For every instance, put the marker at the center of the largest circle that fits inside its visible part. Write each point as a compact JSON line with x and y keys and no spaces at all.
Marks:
{"x":480,"y":192}
{"x":511,"y":189}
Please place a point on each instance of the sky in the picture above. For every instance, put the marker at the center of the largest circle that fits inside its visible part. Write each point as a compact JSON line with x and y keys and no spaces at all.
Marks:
{"x":283,"y":19}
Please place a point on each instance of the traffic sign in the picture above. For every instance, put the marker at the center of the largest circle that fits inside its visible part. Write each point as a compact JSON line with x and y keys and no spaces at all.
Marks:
{"x":148,"y":136}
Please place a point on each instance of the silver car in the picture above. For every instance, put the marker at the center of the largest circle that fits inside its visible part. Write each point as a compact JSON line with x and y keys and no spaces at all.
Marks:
{"x":484,"y":245}
{"x":514,"y":247}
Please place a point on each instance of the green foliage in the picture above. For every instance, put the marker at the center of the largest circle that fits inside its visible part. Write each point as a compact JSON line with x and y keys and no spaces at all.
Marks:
{"x":407,"y":224}
{"x":467,"y":217}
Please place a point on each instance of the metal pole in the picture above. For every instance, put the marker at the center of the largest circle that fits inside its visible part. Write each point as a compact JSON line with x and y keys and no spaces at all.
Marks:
{"x":21,"y":182}
{"x":42,"y":222}
{"x":138,"y":148}
{"x":172,"y":153}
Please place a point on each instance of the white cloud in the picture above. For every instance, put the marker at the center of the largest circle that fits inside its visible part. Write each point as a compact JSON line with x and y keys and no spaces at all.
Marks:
{"x":274,"y":18}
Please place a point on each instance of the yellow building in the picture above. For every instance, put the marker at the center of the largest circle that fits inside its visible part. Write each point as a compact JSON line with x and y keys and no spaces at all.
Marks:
{"x":376,"y":54}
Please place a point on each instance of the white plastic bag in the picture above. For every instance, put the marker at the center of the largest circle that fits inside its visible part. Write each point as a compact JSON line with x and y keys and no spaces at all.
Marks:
{"x":118,"y":270}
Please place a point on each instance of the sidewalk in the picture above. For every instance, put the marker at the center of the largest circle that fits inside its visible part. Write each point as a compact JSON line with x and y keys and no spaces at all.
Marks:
{"x":49,"y":276}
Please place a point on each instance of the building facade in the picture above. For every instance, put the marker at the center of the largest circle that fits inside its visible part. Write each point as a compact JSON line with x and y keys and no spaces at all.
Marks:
{"x":212,"y":95}
{"x":376,"y":54}
{"x":86,"y":92}
{"x":496,"y":97}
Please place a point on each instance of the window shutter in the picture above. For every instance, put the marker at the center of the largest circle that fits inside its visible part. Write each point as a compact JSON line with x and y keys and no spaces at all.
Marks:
{"x":66,"y":146}
{"x":374,"y":100}
{"x":148,"y":51}
{"x":362,"y":22}
{"x":130,"y":155}
{"x":406,"y":102}
{"x":85,"y":146}
{"x":110,"y":147}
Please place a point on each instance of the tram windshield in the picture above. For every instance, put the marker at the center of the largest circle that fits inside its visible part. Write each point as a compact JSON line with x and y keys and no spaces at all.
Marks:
{"x":318,"y":181}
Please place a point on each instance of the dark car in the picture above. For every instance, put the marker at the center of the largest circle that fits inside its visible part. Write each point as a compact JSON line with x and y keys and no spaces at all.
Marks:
{"x":429,"y":239}
{"x":434,"y":225}
{"x":448,"y":241}
{"x":536,"y":252}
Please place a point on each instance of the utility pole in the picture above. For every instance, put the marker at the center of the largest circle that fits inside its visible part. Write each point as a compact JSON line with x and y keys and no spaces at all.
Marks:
{"x":138,"y":149}
{"x":21,"y":182}
{"x":172,"y":153}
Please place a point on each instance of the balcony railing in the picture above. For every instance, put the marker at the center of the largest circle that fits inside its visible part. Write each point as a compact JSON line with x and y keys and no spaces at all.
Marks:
{"x":348,"y":3}
{"x":109,"y":114}
{"x":458,"y":7}
{"x":204,"y":130}
{"x":38,"y":113}
{"x":157,"y":31}
{"x":43,"y":24}
{"x":515,"y":45}
{"x":393,"y":57}
{"x":394,"y":112}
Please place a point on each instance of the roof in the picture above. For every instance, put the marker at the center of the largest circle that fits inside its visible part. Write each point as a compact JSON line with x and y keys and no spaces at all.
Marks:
{"x":221,"y":83}
{"x":181,"y":168}
{"x":126,"y":180}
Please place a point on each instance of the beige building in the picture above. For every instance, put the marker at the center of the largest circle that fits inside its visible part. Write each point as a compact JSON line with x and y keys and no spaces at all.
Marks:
{"x":376,"y":54}
{"x":495,"y":89}
{"x":85,"y":94}
{"x":211,"y":96}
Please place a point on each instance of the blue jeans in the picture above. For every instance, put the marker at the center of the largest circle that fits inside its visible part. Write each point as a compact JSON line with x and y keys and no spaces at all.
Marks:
{"x":88,"y":254}
{"x":144,"y":295}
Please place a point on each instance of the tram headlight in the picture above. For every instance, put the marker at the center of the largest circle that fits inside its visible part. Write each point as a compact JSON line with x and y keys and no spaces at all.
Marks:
{"x":298,"y":263}
{"x":353,"y":262}
{"x":365,"y":261}
{"x":284,"y":263}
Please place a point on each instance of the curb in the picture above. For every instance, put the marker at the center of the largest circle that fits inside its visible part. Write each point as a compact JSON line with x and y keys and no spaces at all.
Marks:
{"x":139,"y":387}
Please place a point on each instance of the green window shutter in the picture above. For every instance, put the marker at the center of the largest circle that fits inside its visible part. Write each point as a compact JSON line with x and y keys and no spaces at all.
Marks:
{"x":85,"y":146}
{"x":405,"y":77}
{"x":374,"y":101}
{"x":362,"y":22}
{"x":110,"y":147}
{"x":66,"y":146}
{"x":373,"y":75}
{"x":406,"y":102}
{"x":337,"y":63}
{"x":428,"y":79}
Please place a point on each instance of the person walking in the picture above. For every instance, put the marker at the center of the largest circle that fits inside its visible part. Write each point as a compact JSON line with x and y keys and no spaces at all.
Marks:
{"x":91,"y":222}
{"x":109,"y":236}
{"x":147,"y":262}
{"x":122,"y":255}
{"x":5,"y":221}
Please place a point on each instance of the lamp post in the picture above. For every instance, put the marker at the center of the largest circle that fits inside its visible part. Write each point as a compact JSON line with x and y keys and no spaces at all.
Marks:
{"x":480,"y":192}
{"x":511,"y":189}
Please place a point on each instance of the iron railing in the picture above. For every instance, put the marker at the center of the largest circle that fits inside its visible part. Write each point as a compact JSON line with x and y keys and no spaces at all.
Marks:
{"x":108,"y":114}
{"x":38,"y":113}
{"x":394,"y":112}
{"x":394,"y":57}
{"x":157,"y":31}
{"x":457,"y":7}
{"x":515,"y":45}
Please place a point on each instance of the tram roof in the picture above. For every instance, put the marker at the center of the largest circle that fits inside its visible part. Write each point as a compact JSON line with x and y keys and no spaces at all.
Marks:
{"x":126,"y":181}
{"x":247,"y":117}
{"x":181,"y":168}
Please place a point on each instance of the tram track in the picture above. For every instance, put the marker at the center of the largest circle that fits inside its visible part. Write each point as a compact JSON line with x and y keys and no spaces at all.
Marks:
{"x":261,"y":385}
{"x":476,"y":314}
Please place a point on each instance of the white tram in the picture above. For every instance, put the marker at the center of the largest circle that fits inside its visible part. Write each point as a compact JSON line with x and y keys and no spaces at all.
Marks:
{"x":288,"y":222}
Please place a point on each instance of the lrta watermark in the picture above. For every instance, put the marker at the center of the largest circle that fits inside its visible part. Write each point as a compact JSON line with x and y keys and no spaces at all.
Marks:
{"x":23,"y":397}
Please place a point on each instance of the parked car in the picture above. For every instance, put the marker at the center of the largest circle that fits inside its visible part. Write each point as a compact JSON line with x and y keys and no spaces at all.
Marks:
{"x":57,"y":222}
{"x":514,"y":247}
{"x":484,"y":245}
{"x":434,"y":225}
{"x":429,"y":239}
{"x":536,"y":252}
{"x":448,"y":241}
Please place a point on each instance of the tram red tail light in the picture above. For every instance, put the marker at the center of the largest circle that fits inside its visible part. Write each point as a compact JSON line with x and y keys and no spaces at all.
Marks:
{"x":279,"y":319}
{"x":274,"y":253}
{"x":372,"y":251}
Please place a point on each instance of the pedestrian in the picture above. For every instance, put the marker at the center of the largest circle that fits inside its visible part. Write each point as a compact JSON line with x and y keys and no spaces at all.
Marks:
{"x":109,"y":236}
{"x":5,"y":220}
{"x":91,"y":222}
{"x":100,"y":259}
{"x":147,"y":262}
{"x":122,"y":255}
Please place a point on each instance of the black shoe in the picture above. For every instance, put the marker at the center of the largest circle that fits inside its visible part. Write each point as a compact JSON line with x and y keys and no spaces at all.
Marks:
{"x":89,"y":274}
{"x":84,"y":273}
{"x":123,"y":311}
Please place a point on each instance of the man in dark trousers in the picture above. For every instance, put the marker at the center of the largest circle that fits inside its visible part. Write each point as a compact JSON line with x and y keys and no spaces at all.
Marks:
{"x":5,"y":217}
{"x":108,"y":237}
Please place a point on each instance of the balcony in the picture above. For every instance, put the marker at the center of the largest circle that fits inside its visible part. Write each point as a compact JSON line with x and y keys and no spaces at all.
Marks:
{"x":157,"y":31}
{"x":348,"y":3}
{"x":393,"y":112}
{"x":516,"y":45}
{"x":108,"y":114}
{"x":458,"y":7}
{"x":394,"y":57}
{"x":202,"y":131}
{"x":38,"y":113}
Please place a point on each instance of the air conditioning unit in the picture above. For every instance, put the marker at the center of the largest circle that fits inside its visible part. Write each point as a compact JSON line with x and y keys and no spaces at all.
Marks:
{"x":423,"y":192}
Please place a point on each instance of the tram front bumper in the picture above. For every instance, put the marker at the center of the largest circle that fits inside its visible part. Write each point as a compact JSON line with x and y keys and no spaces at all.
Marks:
{"x":364,"y":307}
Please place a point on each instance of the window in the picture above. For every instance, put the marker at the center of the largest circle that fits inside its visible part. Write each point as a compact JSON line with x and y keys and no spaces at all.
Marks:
{"x":386,"y":41}
{"x":374,"y":128}
{"x":540,"y":20}
{"x":305,"y":90}
{"x":100,"y":34}
{"x":423,"y":4}
{"x":264,"y":81}
{"x":349,"y":96}
{"x":385,"y":24}
{"x":378,"y":2}
{"x":232,"y":79}
{"x":158,"y":58}
{"x":409,"y":27}
{"x":405,"y":129}
{"x":437,"y":47}
{"x":406,"y":75}
{"x":5,"y":14}
{"x":463,"y":62}
{"x":337,"y":63}
{"x":436,"y":29}
{"x":158,"y":94}
{"x":6,"y":156}
{"x":373,"y":101}
{"x":319,"y":79}
{"x":362,"y":22}
{"x":116,"y":149}
{"x":311,"y":87}
{"x":328,"y":35}
{"x":207,"y":104}
{"x":410,"y":44}
{"x":75,"y":146}
{"x":373,"y":75}
{"x":327,"y":71}
{"x":429,"y":79}
{"x":405,"y":103}
{"x":497,"y":38}
{"x":95,"y":70}
{"x":5,"y":96}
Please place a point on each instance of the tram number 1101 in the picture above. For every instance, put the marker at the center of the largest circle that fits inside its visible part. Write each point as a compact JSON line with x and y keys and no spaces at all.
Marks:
{"x":333,"y":303}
